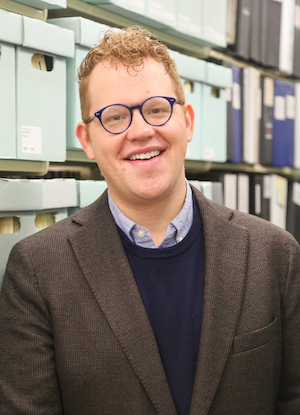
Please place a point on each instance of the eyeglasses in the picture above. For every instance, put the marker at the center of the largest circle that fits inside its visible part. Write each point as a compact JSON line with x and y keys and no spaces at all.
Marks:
{"x":117,"y":118}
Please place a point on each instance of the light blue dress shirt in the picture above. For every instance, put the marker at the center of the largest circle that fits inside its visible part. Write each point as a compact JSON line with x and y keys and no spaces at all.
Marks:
{"x":176,"y":231}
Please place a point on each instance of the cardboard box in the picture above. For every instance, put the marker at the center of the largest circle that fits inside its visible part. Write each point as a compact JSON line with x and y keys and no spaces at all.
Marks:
{"x":87,"y":33}
{"x":189,"y":18}
{"x":132,"y":9}
{"x":214,"y":113}
{"x":10,"y":35}
{"x":193,"y":73}
{"x":214,"y":22}
{"x":87,"y":192}
{"x":45,"y":4}
{"x":161,"y":13}
{"x":41,"y":94}
{"x":24,"y":200}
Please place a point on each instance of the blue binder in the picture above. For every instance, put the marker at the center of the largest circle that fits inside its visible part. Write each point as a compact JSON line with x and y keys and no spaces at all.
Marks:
{"x":283,"y":124}
{"x":237,"y":116}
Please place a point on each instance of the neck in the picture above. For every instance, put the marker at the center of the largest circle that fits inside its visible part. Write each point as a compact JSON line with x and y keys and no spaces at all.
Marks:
{"x":155,"y":215}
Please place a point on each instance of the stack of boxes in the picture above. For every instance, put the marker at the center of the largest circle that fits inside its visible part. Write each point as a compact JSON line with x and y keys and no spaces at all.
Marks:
{"x":33,"y":78}
{"x":23,"y":205}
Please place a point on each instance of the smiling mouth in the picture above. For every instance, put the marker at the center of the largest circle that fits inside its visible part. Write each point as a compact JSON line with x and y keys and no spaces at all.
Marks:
{"x":145,"y":156}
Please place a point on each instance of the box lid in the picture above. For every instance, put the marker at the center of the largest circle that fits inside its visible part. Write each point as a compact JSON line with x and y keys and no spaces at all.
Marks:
{"x":47,"y":37}
{"x":218,"y":75}
{"x":87,"y":32}
{"x":11,"y":30}
{"x":189,"y":67}
{"x":37,"y":194}
{"x":88,"y":191}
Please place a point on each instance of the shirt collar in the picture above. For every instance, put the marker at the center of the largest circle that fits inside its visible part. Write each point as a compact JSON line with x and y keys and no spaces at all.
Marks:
{"x":176,"y":231}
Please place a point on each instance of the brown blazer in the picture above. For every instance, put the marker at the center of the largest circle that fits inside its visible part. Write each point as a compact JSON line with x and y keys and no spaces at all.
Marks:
{"x":75,"y":337}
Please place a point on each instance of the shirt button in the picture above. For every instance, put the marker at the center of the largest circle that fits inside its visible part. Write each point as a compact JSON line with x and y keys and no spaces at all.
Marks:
{"x":141,"y":233}
{"x":179,"y":239}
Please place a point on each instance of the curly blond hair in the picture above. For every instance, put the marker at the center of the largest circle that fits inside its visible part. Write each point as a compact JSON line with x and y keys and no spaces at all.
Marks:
{"x":130,"y":47}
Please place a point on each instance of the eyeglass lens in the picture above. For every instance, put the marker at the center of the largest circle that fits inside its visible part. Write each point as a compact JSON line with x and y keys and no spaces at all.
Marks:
{"x":156,"y":111}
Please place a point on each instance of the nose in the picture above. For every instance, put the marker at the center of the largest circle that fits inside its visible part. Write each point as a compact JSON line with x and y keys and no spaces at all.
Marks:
{"x":139,"y":129}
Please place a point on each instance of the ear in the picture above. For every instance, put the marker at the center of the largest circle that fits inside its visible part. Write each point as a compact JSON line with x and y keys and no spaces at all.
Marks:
{"x":83,"y":137}
{"x":189,"y":121}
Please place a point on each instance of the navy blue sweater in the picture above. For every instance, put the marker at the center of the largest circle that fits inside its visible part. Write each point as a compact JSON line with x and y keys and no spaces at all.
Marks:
{"x":171,"y":283}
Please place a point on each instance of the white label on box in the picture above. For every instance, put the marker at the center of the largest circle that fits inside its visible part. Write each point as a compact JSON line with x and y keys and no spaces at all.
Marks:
{"x":267,"y":187}
{"x":268,"y":92}
{"x":257,"y":199}
{"x":31,"y":140}
{"x":296,"y":193}
{"x":209,"y":153}
{"x":290,"y":107}
{"x":297,"y":16}
{"x":236,"y":99}
{"x":228,"y":93}
{"x":279,"y":110}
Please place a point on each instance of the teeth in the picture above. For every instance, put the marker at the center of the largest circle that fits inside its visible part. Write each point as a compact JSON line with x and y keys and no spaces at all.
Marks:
{"x":145,"y":156}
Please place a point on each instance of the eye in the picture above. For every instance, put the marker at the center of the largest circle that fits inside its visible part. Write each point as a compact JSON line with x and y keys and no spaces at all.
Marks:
{"x":115,"y":114}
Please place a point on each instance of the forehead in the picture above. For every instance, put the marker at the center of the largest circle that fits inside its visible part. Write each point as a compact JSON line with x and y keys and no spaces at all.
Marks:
{"x":111,"y":83}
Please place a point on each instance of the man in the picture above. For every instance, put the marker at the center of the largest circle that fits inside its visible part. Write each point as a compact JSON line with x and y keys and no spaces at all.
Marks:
{"x":153,"y":300}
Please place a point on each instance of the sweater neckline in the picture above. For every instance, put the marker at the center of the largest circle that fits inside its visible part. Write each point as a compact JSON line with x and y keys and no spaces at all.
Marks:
{"x":175,"y":250}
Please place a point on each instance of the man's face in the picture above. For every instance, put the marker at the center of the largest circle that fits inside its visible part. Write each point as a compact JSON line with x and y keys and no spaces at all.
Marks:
{"x":137,"y":181}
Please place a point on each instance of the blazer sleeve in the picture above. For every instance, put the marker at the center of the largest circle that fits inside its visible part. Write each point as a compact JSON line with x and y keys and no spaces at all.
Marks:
{"x":28,"y":380}
{"x":289,"y":391}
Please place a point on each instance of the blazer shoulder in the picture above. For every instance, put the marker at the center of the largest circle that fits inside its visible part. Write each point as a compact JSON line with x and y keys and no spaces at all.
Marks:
{"x":256,"y":227}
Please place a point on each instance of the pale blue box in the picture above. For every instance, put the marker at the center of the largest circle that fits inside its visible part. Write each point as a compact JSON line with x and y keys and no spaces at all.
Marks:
{"x":214,"y":22}
{"x":193,"y":71}
{"x":189,"y":18}
{"x":214,"y":113}
{"x":7,"y":101}
{"x":41,"y":95}
{"x":132,"y":9}
{"x":25,"y":199}
{"x":87,"y":34}
{"x":10,"y":35}
{"x":162,"y":13}
{"x":45,"y":4}
{"x":87,"y":192}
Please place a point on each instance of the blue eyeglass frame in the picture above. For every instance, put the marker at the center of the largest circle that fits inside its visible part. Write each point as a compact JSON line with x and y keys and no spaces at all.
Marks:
{"x":98,"y":114}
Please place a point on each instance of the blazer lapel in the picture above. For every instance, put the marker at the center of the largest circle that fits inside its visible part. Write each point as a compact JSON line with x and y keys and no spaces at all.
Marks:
{"x":100,"y":253}
{"x":226,"y":246}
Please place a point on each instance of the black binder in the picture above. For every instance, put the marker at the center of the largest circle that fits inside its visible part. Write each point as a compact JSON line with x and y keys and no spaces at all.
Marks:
{"x":296,"y":66}
{"x":260,"y":196}
{"x":293,"y":209}
{"x":256,"y":30}
{"x":243,"y":30}
{"x":271,"y":14}
{"x":266,"y":131}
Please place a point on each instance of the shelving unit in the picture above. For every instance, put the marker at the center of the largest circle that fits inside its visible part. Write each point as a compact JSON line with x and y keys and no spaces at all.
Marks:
{"x":19,"y":8}
{"x":181,"y":43}
{"x":23,"y":167}
{"x":189,"y":46}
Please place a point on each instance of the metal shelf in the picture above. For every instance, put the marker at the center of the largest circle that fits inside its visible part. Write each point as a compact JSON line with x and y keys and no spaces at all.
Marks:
{"x":199,"y":166}
{"x":183,"y":43}
{"x":19,"y":8}
{"x":36,"y":168}
{"x":195,"y":166}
